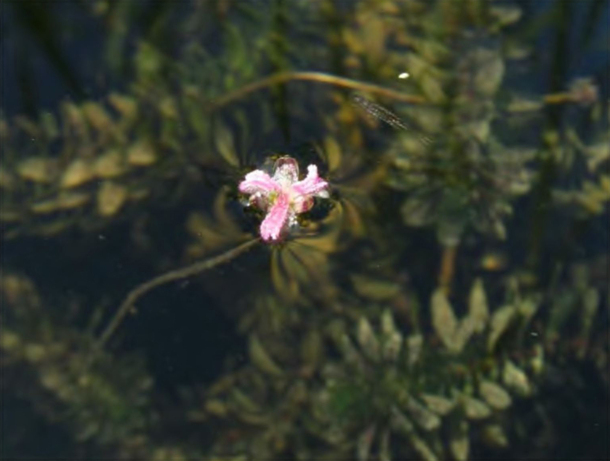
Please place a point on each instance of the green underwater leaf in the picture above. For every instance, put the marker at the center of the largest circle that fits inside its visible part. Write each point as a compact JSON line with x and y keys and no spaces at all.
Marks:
{"x":368,"y":340}
{"x":261,"y":358}
{"x":459,"y":440}
{"x":494,"y":395}
{"x":444,"y":321}
{"x":474,"y":408}
{"x":438,"y":404}
{"x":478,"y":312}
{"x":495,"y":435}
{"x":500,"y":320}
{"x":225,"y":144}
{"x":516,"y":379}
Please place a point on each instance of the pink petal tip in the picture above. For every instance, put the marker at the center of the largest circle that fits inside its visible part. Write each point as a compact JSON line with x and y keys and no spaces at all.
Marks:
{"x":276,"y":219}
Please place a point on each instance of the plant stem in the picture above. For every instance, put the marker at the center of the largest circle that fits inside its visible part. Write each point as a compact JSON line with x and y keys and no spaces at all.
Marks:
{"x":176,"y":274}
{"x":320,"y":77}
{"x":447,"y":269}
{"x":558,"y":98}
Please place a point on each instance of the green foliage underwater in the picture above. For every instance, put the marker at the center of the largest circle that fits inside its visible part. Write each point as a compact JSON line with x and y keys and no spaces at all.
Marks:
{"x":446,"y":296}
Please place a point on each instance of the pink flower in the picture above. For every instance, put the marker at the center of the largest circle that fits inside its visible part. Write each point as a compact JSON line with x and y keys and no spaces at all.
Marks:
{"x":282,"y":196}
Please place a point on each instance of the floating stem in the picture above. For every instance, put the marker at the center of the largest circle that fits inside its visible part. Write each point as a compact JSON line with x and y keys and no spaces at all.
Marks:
{"x":320,"y":77}
{"x":335,"y":80}
{"x":170,"y":276}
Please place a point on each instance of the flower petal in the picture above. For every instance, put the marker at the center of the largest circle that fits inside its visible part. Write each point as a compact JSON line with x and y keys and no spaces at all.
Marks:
{"x":276,"y":219}
{"x":312,"y":184}
{"x":258,"y":181}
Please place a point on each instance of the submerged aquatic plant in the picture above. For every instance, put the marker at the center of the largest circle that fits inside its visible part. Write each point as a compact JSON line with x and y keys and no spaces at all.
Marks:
{"x":108,"y":403}
{"x":282,"y":196}
{"x":371,"y":387}
{"x":328,"y":378}
{"x":381,"y":392}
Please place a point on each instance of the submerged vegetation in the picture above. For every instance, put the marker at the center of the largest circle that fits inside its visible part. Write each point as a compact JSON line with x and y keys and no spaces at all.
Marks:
{"x":435,"y":288}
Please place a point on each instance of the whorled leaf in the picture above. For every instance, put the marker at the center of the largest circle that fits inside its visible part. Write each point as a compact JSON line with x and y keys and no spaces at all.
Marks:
{"x":516,"y":379}
{"x":444,"y":321}
{"x":500,"y":320}
{"x":369,"y":343}
{"x":375,"y":289}
{"x":438,"y":404}
{"x":459,"y":439}
{"x":474,"y":408}
{"x":312,"y":350}
{"x":391,"y":337}
{"x":261,"y":358}
{"x":363,"y":445}
{"x":495,"y":435}
{"x":426,"y":419}
{"x":414,"y":344}
{"x":494,"y":395}
{"x":225,"y":144}
{"x":478,"y":311}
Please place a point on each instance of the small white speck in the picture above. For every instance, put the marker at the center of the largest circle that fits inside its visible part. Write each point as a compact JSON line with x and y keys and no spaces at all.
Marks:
{"x":534,"y":333}
{"x":404,"y":75}
{"x":101,"y":237}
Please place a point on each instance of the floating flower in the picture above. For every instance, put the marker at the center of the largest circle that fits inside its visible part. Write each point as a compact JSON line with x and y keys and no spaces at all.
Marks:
{"x":282,"y":197}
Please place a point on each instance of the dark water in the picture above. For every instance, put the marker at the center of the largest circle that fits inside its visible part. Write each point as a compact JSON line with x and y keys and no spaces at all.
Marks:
{"x":444,"y":297}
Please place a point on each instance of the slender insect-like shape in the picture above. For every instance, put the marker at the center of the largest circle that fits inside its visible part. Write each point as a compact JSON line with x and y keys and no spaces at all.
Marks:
{"x":385,"y":115}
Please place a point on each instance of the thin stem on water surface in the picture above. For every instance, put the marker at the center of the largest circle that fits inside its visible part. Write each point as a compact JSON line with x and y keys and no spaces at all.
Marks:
{"x":320,"y":77}
{"x":171,"y":276}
